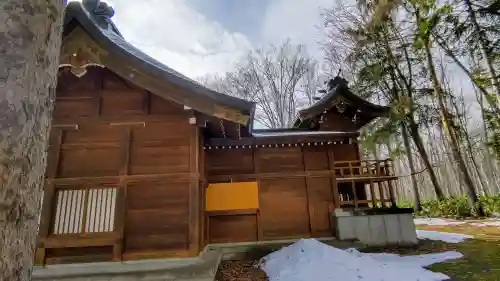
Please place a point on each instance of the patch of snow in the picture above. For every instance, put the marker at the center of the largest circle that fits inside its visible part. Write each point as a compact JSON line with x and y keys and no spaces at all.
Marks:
{"x":489,"y":222}
{"x":443,"y":236}
{"x":420,"y":260}
{"x":495,"y":222}
{"x":436,"y":221}
{"x":309,"y":259}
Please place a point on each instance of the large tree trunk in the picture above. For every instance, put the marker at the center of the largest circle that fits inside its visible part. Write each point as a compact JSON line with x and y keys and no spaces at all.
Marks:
{"x":415,"y":134}
{"x":411,"y":163}
{"x":449,"y":130}
{"x":487,"y":56}
{"x":30,"y":38}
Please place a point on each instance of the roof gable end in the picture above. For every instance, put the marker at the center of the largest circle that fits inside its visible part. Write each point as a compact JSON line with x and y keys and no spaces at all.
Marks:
{"x":101,"y":43}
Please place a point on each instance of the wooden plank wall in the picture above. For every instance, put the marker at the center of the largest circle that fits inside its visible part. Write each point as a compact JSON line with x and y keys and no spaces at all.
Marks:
{"x":291,"y":205}
{"x":335,"y":121}
{"x":108,"y":132}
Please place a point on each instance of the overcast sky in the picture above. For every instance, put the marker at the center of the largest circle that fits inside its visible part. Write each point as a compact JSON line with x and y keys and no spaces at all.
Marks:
{"x":196,"y":37}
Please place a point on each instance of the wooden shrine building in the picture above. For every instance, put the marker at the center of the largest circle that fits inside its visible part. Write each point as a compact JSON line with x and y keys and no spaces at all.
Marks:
{"x":147,"y":163}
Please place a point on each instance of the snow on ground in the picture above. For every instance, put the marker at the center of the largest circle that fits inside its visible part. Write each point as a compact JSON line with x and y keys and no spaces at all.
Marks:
{"x":491,"y":222}
{"x":442,"y":236}
{"x":444,"y":222}
{"x":309,"y":259}
{"x":436,"y":221}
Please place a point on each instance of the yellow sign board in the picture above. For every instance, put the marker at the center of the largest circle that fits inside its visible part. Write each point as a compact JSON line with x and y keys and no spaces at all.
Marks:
{"x":232,"y":196}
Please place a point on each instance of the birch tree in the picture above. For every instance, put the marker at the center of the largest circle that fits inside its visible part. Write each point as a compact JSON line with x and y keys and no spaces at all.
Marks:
{"x":280,"y":79}
{"x":30,"y":38}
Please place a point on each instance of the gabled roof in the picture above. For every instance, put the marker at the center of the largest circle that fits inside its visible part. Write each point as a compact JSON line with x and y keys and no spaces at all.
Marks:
{"x":94,"y":16}
{"x":337,"y":92}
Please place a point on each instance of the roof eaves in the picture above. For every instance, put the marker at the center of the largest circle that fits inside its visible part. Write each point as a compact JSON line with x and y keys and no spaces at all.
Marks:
{"x":105,"y":32}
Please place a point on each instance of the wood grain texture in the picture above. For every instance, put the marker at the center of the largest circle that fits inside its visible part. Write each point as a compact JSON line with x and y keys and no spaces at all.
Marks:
{"x":155,"y":165}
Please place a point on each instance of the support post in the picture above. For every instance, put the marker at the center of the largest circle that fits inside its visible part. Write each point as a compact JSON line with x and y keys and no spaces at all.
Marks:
{"x":121,"y":196}
{"x":45,"y":221}
{"x":194,"y":192}
{"x":310,"y":210}
{"x":48,"y":206}
{"x":335,"y":189}
{"x":391,"y":193}
{"x":119,"y":224}
{"x":256,"y":170}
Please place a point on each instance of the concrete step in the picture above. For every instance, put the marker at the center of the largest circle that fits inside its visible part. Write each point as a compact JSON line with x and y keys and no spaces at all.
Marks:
{"x":201,"y":268}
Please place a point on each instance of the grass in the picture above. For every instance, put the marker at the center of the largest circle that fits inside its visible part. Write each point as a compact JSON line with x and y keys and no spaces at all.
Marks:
{"x":481,"y":261}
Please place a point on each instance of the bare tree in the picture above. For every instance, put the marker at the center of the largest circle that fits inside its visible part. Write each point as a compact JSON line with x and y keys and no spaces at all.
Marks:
{"x":281,"y":79}
{"x":30,"y":38}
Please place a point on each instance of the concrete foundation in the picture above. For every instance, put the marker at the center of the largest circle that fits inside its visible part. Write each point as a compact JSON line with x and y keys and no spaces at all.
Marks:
{"x":201,"y":268}
{"x":375,"y":229}
{"x":259,"y":249}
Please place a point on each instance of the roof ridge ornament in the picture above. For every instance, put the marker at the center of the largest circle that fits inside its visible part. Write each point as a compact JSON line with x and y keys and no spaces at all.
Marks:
{"x":100,"y":10}
{"x":332,"y":83}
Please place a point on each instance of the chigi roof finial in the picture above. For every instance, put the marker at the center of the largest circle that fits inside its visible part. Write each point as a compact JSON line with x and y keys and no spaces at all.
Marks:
{"x":98,"y":8}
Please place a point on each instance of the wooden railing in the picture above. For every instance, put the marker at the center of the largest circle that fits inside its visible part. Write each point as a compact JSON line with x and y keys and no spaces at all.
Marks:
{"x":373,"y":178}
{"x":81,"y":216}
{"x":364,"y":168}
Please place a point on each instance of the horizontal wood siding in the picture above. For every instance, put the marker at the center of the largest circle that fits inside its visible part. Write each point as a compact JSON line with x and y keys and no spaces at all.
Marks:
{"x":288,"y":207}
{"x":113,"y":133}
{"x":157,"y":216}
{"x":233,"y":228}
{"x":284,"y":208}
{"x":335,"y":121}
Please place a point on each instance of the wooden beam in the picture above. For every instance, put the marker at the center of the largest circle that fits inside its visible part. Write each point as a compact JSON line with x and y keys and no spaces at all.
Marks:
{"x":78,"y":259}
{"x":125,"y":151}
{"x":121,"y":197}
{"x":231,"y":212}
{"x":128,"y":124}
{"x":310,"y":208}
{"x":119,"y":223}
{"x":81,"y":240}
{"x":45,"y":221}
{"x":48,"y":203}
{"x":256,"y":170}
{"x":146,"y":102}
{"x":391,"y":193}
{"x":98,"y":87}
{"x":55,"y":152}
{"x":158,"y":254}
{"x":333,"y":177}
{"x":174,"y":118}
{"x":175,"y":177}
{"x":278,"y":139}
{"x":292,"y":174}
{"x":194,"y":191}
{"x":72,"y":127}
{"x":203,"y":183}
{"x":373,"y":194}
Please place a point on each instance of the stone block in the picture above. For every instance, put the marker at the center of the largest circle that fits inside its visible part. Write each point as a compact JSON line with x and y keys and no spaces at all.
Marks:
{"x":377,"y":229}
{"x":408,"y":229}
{"x":345,"y":228}
{"x":378,"y":232}
{"x":362,"y":229}
{"x":392,"y":229}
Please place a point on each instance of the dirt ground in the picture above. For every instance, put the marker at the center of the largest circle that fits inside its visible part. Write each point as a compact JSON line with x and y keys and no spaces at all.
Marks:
{"x":481,"y":260}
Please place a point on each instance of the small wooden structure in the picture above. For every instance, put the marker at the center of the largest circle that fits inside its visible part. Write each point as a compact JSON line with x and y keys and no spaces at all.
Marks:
{"x":146,"y":163}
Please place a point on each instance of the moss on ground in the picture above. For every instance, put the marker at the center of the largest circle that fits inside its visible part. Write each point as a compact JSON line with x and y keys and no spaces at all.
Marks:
{"x":481,"y":261}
